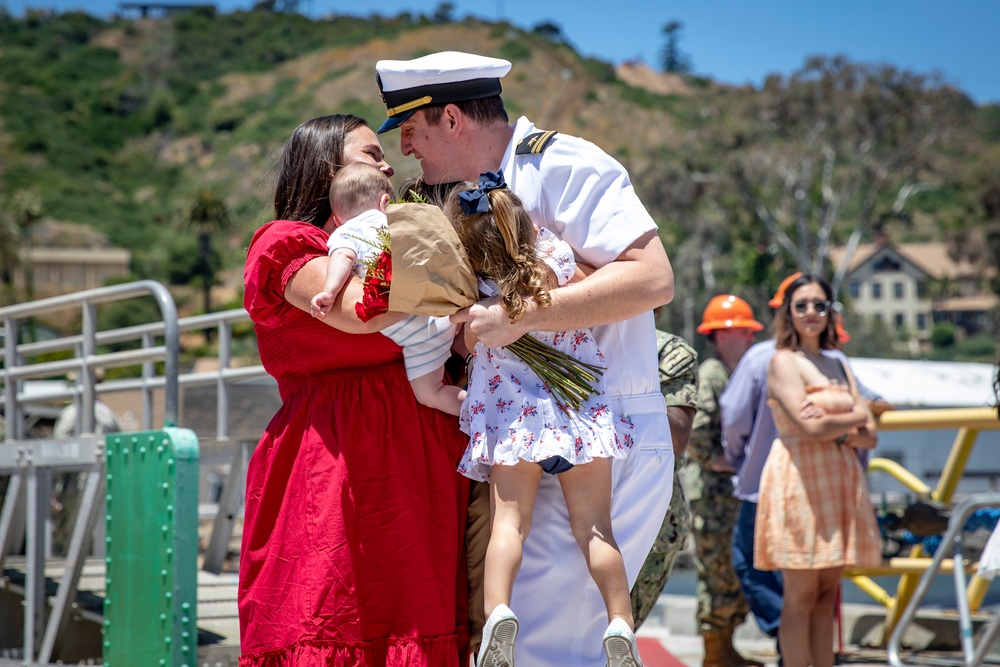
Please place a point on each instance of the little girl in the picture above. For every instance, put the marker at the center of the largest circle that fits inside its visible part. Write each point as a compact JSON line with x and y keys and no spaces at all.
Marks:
{"x":517,"y":429}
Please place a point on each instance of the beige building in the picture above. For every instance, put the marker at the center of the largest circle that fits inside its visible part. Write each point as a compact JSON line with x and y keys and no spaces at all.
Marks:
{"x":56,"y":271}
{"x":915,"y":285}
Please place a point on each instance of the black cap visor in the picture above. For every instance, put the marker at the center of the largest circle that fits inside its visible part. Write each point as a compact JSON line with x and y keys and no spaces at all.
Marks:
{"x":436,"y":94}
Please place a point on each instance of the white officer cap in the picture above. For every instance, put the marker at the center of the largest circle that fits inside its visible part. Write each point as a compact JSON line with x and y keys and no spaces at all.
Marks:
{"x":438,"y":78}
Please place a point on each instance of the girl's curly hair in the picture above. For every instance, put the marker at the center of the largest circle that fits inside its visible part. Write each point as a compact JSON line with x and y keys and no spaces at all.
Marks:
{"x":501,"y":247}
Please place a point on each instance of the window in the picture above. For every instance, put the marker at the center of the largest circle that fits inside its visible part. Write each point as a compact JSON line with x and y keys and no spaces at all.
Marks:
{"x":887,"y":264}
{"x":900,"y":320}
{"x":876,"y":290}
{"x":897,"y":290}
{"x":921,"y":321}
{"x":922,"y":289}
{"x":877,"y":317}
{"x":855,"y":289}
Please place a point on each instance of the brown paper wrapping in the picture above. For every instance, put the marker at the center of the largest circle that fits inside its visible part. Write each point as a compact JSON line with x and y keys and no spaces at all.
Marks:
{"x":431,"y":274}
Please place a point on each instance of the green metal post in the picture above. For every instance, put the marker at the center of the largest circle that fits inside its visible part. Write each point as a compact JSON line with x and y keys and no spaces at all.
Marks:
{"x":150,"y":615}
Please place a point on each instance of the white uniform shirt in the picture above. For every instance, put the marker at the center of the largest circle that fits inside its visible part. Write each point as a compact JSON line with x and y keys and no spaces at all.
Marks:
{"x":589,"y":202}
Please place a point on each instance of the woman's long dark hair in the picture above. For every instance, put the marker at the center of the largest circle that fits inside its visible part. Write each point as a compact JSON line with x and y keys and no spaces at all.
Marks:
{"x":784,"y":331}
{"x":310,"y":157}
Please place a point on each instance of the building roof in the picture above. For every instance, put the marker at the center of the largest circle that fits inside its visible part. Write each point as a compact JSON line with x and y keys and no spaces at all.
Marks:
{"x":931,"y":258}
{"x":79,"y":255}
{"x":918,"y":383}
{"x":975,"y":303}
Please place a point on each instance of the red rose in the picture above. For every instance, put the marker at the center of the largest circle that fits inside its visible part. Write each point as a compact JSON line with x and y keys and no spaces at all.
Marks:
{"x":375,"y":294}
{"x":383,"y":268}
{"x":374,"y":301}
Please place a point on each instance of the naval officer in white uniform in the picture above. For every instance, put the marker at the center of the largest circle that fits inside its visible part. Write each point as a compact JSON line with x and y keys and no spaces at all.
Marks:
{"x":448,"y":109}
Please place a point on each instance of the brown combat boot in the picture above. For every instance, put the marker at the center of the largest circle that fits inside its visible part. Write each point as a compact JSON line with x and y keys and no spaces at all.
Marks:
{"x":733,"y":656}
{"x":715,"y":650}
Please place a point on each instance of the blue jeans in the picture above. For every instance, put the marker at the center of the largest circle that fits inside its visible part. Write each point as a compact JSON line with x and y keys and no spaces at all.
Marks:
{"x":762,"y":589}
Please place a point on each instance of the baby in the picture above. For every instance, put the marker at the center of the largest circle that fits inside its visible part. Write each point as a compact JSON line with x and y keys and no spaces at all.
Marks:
{"x":359,"y":195}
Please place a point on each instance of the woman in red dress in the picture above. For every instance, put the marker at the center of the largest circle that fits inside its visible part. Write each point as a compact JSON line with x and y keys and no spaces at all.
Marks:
{"x":352,"y":551}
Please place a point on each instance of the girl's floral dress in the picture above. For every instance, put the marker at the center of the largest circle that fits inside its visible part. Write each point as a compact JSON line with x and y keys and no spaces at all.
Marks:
{"x":510,"y":414}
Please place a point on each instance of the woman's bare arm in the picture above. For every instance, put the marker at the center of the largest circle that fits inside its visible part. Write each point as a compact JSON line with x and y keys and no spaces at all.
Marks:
{"x":309,"y":280}
{"x":786,"y":385}
{"x":866,"y":435}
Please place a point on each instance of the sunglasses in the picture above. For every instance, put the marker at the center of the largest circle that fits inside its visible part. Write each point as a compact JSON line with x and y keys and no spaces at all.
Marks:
{"x":821,"y":307}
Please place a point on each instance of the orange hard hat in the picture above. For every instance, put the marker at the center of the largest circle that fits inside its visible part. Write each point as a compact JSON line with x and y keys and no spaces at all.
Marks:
{"x":728,"y":312}
{"x":779,"y":296}
{"x":842,"y":335}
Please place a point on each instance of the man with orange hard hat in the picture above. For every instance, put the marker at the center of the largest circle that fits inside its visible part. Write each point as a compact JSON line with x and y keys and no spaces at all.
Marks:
{"x":729,"y":323}
{"x":747,"y":433}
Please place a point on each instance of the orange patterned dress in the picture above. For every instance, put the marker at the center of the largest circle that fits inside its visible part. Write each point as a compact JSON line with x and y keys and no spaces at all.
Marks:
{"x":814,"y":511}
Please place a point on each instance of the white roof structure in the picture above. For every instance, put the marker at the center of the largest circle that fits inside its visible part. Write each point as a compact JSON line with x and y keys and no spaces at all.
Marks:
{"x":928,"y":384}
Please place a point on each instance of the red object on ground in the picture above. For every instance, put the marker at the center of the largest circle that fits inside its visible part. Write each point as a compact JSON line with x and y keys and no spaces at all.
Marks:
{"x":654,"y":655}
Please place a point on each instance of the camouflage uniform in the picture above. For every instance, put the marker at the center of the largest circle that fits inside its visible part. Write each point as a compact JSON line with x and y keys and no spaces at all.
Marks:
{"x":721,"y":605}
{"x":678,"y":383}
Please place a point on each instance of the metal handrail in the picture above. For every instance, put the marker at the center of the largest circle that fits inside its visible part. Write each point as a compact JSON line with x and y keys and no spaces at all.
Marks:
{"x":984,"y":418}
{"x":31,"y":463}
{"x":968,"y":422}
{"x":86,"y":343}
{"x":952,"y":536}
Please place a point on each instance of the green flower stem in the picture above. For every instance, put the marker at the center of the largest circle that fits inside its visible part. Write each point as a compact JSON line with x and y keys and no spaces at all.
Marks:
{"x":569,"y":379}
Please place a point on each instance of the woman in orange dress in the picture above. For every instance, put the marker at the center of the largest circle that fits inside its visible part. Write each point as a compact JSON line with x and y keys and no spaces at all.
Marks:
{"x":814,"y":516}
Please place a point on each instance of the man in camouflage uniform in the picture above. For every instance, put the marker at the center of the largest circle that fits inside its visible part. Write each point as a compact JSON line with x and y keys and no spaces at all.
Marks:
{"x":678,"y":383}
{"x":728,"y":321}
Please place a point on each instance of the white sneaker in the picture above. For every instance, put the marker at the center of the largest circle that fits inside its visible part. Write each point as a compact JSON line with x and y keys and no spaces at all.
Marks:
{"x":620,"y":645}
{"x":499,"y":633}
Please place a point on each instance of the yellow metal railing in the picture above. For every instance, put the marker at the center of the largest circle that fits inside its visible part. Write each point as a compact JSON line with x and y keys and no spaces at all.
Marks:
{"x":969,"y":422}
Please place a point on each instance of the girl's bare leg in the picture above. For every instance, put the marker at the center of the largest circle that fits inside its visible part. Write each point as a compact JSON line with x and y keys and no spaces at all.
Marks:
{"x":587,"y":489}
{"x":798,"y":605}
{"x":512,"y":496}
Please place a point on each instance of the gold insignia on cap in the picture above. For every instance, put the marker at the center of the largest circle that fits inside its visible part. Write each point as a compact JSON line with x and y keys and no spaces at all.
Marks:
{"x":426,"y":99}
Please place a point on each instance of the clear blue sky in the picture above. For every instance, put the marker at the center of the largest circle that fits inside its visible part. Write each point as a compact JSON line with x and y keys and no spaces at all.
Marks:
{"x":732,"y":41}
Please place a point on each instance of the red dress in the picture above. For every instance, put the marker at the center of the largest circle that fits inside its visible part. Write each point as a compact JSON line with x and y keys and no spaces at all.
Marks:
{"x":353,"y":535}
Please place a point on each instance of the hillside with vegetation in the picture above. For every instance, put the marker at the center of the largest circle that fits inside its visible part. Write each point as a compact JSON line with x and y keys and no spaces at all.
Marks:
{"x":160,"y":134}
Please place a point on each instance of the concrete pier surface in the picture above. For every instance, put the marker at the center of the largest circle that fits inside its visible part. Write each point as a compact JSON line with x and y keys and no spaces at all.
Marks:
{"x":669,"y":637}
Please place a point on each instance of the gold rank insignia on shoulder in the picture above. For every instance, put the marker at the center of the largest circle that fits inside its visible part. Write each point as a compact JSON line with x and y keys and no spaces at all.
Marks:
{"x":534,"y":143}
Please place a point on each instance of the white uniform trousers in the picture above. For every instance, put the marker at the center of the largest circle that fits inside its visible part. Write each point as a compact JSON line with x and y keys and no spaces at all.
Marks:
{"x":562,"y":615}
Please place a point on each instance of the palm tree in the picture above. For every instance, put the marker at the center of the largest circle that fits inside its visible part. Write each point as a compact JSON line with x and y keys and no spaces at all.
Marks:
{"x":17,"y":215}
{"x":205,"y":211}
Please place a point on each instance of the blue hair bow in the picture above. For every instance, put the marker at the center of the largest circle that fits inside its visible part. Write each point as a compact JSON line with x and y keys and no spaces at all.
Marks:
{"x":477,"y":201}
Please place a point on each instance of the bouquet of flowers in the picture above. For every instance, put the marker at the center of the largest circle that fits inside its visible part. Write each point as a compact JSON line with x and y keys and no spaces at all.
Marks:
{"x":422,"y":269}
{"x":378,"y":277}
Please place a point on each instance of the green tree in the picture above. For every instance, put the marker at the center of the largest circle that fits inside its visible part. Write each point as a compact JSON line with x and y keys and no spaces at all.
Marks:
{"x":943,"y":335}
{"x":836,"y":142}
{"x":550,"y":31}
{"x":976,"y":236}
{"x":444,"y":13}
{"x":673,"y":59}
{"x":17,"y":214}
{"x":207,"y":213}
